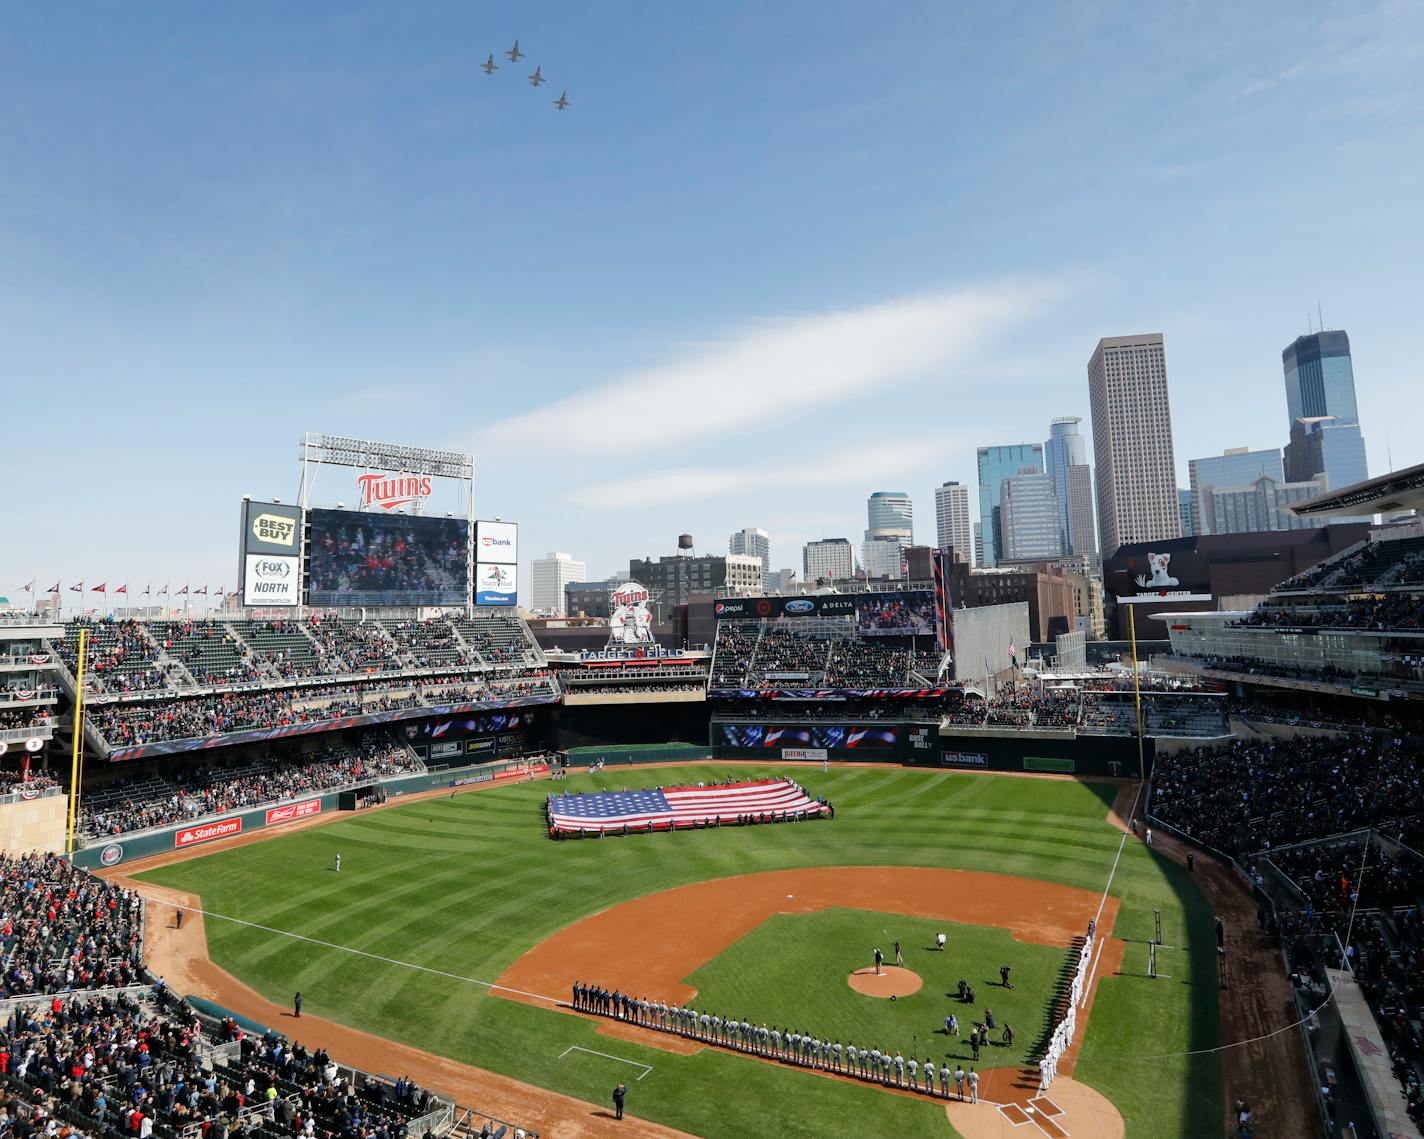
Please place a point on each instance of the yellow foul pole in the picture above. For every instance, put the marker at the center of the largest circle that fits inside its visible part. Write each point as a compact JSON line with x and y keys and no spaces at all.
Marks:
{"x":76,"y":765}
{"x":1136,"y":688}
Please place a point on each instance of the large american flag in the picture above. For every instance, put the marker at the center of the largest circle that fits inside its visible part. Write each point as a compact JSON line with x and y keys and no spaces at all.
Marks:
{"x":677,"y":806}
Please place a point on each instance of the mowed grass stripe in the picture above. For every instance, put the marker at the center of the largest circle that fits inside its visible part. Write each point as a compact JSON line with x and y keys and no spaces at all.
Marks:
{"x":467,"y":885}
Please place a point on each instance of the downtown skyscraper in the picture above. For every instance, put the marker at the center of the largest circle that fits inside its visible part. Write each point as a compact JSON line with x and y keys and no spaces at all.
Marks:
{"x":996,"y":464}
{"x":1132,"y":441}
{"x":1324,"y":419}
{"x":1065,"y":457}
{"x":952,"y":526}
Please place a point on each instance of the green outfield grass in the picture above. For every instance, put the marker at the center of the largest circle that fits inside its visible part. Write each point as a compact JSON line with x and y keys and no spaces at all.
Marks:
{"x":466,"y":885}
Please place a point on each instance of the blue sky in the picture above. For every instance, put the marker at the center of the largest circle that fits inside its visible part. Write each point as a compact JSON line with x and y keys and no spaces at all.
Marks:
{"x":773,"y":257}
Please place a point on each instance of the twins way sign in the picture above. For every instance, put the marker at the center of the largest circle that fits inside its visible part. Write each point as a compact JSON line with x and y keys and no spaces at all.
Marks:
{"x":678,"y":806}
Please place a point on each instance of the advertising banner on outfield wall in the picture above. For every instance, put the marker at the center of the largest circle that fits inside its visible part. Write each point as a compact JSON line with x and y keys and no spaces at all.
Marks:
{"x":287,"y":812}
{"x":190,"y":836}
{"x":813,"y":754}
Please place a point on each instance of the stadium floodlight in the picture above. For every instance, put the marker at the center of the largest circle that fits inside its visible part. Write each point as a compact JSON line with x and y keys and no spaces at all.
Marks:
{"x":369,"y":454}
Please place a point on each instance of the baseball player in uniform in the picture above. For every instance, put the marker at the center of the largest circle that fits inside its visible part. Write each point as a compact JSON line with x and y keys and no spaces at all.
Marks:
{"x":875,"y":1062}
{"x":852,"y":1057}
{"x":899,"y":1070}
{"x":973,"y":1086}
{"x":914,"y":1067}
{"x":944,"y":1080}
{"x":929,"y":1075}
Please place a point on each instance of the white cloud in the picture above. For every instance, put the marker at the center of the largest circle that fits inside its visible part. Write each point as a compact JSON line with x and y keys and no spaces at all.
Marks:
{"x":829,"y":467}
{"x":813,"y":360}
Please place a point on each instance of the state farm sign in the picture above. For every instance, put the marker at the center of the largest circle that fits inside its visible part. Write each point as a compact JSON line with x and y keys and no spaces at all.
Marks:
{"x":289,"y":811}
{"x":388,"y":491}
{"x":188,"y":836}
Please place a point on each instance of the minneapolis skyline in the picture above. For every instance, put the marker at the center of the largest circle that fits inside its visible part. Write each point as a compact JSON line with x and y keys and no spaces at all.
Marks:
{"x":768,"y":261}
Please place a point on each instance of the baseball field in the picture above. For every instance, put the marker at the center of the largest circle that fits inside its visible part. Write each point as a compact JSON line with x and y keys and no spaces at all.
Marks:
{"x":441,"y":898}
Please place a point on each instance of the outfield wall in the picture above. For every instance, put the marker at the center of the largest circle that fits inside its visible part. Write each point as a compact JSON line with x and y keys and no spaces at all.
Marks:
{"x":921,"y":745}
{"x":163,"y":840}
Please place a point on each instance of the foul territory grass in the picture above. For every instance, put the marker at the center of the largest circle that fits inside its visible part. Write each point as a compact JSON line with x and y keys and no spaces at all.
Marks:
{"x":466,"y":885}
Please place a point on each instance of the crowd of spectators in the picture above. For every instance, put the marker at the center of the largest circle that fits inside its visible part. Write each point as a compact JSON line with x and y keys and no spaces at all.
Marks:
{"x":148,"y":801}
{"x":119,"y":655}
{"x":775,"y":658}
{"x":1384,"y":612}
{"x":635,"y":689}
{"x":34,"y":780}
{"x":1258,"y":794}
{"x":1337,"y":877}
{"x":61,"y":928}
{"x":12,"y":719}
{"x":353,"y":646}
{"x":867,"y":664}
{"x":220,"y":713}
{"x":1372,"y":565}
{"x":113,"y":1066}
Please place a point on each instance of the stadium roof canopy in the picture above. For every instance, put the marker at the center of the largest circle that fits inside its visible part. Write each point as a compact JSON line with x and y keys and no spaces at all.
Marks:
{"x":1399,"y":490}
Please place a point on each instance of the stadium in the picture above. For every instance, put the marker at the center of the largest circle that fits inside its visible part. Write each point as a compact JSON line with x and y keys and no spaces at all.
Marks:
{"x":356,"y":854}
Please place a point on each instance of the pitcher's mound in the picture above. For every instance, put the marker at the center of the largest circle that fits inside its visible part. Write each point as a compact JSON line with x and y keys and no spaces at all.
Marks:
{"x":893,"y":982}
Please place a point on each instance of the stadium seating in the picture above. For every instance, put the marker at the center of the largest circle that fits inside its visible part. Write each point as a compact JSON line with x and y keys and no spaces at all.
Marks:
{"x":753,"y":655}
{"x":65,"y":929}
{"x":1370,"y":566}
{"x":498,"y":639}
{"x":427,"y":644}
{"x":209,"y":650}
{"x":1259,"y":794}
{"x":282,"y":648}
{"x":120,"y":656}
{"x":353,"y":646}
{"x":127,"y":805}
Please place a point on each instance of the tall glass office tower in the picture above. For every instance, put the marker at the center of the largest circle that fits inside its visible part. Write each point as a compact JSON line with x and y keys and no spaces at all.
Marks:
{"x":1324,"y":421}
{"x":995,"y":465}
{"x":1320,"y":378}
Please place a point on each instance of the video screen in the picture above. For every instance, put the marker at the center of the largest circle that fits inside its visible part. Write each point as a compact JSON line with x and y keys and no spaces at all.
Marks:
{"x":829,"y":736}
{"x":371,"y":559}
{"x":895,"y":614}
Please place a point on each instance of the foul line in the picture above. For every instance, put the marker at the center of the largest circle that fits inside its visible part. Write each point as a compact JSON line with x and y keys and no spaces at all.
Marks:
{"x":1122,"y":843}
{"x":577,"y":1048}
{"x":490,"y":985}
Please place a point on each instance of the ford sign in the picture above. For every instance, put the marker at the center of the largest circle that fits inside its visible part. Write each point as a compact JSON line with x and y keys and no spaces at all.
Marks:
{"x":800,"y":605}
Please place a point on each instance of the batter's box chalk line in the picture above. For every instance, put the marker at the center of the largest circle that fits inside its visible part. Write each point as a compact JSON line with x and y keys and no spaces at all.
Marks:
{"x":579,"y":1048}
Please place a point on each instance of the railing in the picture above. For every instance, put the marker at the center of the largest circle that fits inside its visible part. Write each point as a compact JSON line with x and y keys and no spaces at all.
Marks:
{"x":469,"y":1117}
{"x":27,"y":793}
{"x":137,"y":992}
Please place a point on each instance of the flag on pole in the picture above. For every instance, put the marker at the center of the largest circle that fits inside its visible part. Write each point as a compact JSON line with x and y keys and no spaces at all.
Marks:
{"x":181,"y":592}
{"x":28,"y":587}
{"x":98,"y":588}
{"x":164,"y":591}
{"x":123,"y":588}
{"x":77,"y":588}
{"x":203,"y":592}
{"x":147,"y":588}
{"x":53,"y":589}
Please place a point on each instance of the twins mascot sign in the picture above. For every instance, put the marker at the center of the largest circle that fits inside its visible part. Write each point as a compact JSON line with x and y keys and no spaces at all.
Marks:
{"x":630,"y":623}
